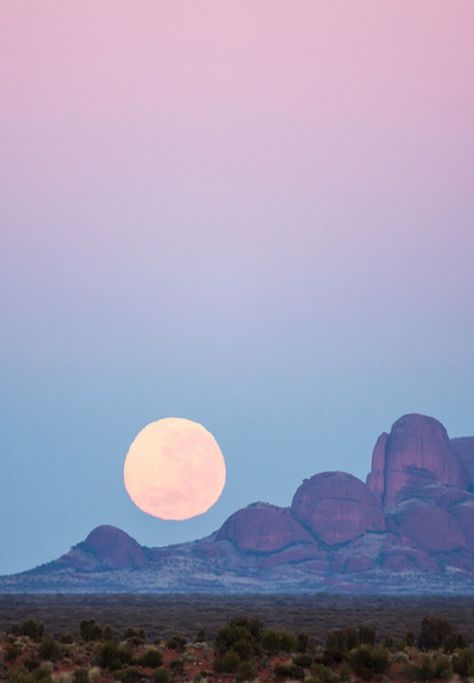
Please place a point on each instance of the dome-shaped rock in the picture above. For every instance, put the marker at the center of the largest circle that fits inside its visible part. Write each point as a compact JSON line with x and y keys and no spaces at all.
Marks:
{"x":417,"y":452}
{"x":427,"y":526}
{"x":261,"y":527}
{"x":114,"y":548}
{"x":463,"y":513}
{"x":337,"y":507}
{"x":465,"y":447}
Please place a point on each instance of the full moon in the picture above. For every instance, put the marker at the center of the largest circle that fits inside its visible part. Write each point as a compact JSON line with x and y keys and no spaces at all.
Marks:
{"x":174,"y":469}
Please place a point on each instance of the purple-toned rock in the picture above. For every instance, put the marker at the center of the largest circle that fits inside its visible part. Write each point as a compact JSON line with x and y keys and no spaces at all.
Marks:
{"x":293,"y":555}
{"x":417,"y":453}
{"x":113,"y":548}
{"x":264,"y":528}
{"x":337,"y":507}
{"x":403,"y":559}
{"x":443,"y":496}
{"x":465,"y":447}
{"x":376,"y":477}
{"x":426,"y":526}
{"x":463,"y":513}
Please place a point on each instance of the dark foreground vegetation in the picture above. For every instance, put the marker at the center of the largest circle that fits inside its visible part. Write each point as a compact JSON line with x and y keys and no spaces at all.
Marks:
{"x":164,"y":615}
{"x":242,"y":647}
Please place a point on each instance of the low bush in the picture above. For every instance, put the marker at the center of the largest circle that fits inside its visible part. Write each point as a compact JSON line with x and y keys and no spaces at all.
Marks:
{"x":161,"y":675}
{"x":227,"y":662}
{"x":111,"y":655}
{"x":291,"y":671}
{"x":275,"y":641}
{"x":90,"y":631}
{"x":245,"y":672}
{"x":365,"y":661}
{"x":49,"y":649}
{"x":176,"y":642}
{"x":303,"y":660}
{"x":177,"y":667}
{"x":323,"y":674}
{"x":434,"y":632}
{"x":151,"y":657}
{"x":129,"y":675}
{"x":80,"y":676}
{"x":302,"y":642}
{"x":463,"y":663}
{"x":31,"y":628}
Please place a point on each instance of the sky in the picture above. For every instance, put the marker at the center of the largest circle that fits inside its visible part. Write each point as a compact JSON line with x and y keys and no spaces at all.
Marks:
{"x":255,"y":214}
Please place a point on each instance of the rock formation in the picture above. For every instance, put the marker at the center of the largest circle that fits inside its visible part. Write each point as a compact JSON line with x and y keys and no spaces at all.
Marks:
{"x":417,"y":452}
{"x":410,"y":529}
{"x":263,"y":528}
{"x":465,"y":447}
{"x":336,"y":507}
{"x":111,"y":548}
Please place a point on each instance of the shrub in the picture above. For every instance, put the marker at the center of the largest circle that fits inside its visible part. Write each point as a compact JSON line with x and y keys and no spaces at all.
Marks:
{"x":80,"y":676}
{"x":302,"y":642}
{"x":110,"y":655}
{"x":129,"y":675}
{"x":200,"y":636}
{"x":442,"y":668}
{"x":365,"y":661}
{"x":425,"y":671}
{"x":366,"y":635}
{"x":49,"y":649}
{"x":245,"y":672}
{"x":90,"y":631}
{"x":434,"y":632}
{"x":244,"y":648}
{"x":339,"y":642}
{"x":31,"y":663}
{"x":252,"y":625}
{"x":455,"y":641}
{"x":30,"y":628}
{"x":292,"y":671}
{"x":302,"y":660}
{"x":66,"y":639}
{"x":151,"y":657}
{"x":229,"y":635}
{"x":463,"y":663}
{"x":276,"y":641}
{"x":323,"y":674}
{"x":161,"y":675}
{"x":11,"y":652}
{"x":176,"y":643}
{"x":177,"y":667}
{"x":108,"y":633}
{"x":227,"y":662}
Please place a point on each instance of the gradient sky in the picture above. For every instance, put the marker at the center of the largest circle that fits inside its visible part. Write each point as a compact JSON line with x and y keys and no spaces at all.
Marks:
{"x":256,"y":214}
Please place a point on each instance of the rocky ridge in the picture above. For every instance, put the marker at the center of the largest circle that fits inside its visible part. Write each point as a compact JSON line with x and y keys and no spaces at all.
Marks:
{"x":409,"y":528}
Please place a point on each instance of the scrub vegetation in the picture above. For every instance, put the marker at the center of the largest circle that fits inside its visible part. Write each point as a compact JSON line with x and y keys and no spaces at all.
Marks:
{"x":243,"y":649}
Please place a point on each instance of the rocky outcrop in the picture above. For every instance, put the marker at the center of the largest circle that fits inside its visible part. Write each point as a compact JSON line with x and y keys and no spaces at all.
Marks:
{"x":426,"y":526}
{"x":336,"y":507}
{"x":376,"y":477}
{"x":263,"y":528}
{"x":465,"y":447}
{"x":113,"y":548}
{"x":416,"y":453}
{"x":410,"y":528}
{"x":463,"y":513}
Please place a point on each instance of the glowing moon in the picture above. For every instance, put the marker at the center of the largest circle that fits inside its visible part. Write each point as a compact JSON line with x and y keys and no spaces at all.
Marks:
{"x":174,"y":469}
